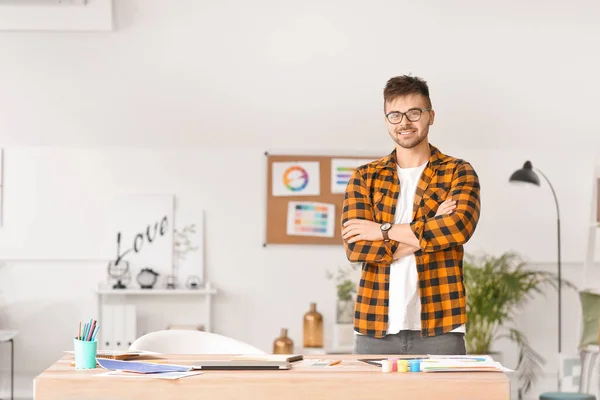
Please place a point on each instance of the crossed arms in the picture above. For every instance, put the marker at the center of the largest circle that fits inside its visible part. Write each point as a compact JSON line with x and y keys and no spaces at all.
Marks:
{"x":452,"y":225}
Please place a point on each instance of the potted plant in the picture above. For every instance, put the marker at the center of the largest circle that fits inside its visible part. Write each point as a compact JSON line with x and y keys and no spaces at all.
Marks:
{"x":346,"y":283}
{"x":346,"y":289}
{"x":497,"y":288}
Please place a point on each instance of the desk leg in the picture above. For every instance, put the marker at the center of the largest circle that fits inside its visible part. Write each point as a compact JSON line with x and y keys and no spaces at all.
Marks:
{"x":12,"y":369}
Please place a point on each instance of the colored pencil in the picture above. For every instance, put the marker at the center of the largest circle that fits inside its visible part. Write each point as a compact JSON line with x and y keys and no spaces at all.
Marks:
{"x":89,"y":336}
{"x":85,"y":330}
{"x":95,"y":333}
{"x":89,"y":328}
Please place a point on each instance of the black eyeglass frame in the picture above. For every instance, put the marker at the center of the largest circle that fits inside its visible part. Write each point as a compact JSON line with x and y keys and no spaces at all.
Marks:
{"x":387,"y":116}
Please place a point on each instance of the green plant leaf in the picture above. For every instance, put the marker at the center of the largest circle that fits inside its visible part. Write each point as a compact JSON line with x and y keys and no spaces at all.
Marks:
{"x":497,"y":288}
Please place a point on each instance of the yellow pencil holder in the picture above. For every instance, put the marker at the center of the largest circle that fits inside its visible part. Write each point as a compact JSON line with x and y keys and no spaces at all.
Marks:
{"x":402,"y":366}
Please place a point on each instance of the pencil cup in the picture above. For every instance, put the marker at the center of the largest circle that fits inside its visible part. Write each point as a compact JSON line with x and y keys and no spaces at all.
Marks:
{"x":415,"y":366}
{"x":402,"y":365}
{"x":85,"y":353}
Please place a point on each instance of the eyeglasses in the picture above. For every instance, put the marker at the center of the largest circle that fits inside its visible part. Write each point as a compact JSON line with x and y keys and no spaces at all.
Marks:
{"x":413,"y":115}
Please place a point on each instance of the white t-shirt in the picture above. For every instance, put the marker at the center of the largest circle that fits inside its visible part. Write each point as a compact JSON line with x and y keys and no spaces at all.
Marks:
{"x":404,"y":308}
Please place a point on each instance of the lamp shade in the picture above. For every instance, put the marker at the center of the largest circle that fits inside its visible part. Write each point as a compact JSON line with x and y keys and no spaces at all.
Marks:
{"x":525,"y":174}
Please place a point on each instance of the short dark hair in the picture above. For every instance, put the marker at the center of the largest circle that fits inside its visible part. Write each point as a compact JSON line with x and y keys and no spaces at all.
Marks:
{"x":405,"y":85}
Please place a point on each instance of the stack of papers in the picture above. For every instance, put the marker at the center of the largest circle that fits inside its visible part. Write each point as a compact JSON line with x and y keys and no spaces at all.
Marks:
{"x":461,"y":364}
{"x":141,"y":367}
{"x":145,"y":369}
{"x":162,"y":375}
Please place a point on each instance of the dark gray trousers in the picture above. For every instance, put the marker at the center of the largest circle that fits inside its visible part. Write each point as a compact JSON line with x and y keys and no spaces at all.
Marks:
{"x":411,"y":342}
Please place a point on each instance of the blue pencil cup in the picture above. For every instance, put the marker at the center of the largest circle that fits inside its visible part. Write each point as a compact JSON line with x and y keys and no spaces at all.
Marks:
{"x":85,"y":353}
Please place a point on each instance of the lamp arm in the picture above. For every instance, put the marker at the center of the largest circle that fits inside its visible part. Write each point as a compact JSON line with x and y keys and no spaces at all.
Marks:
{"x":559,"y":268}
{"x":553,"y":192}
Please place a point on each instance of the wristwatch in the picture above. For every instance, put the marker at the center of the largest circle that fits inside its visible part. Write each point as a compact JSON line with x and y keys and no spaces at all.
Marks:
{"x":384,"y":230}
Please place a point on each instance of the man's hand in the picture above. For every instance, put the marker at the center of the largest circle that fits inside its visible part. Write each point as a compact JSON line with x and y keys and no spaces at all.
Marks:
{"x":361,"y":229}
{"x":404,"y":250}
{"x":447,"y":207}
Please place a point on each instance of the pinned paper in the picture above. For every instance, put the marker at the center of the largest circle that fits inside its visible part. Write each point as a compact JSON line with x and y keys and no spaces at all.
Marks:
{"x":310,"y":219}
{"x":341,"y":171}
{"x":296,"y":179}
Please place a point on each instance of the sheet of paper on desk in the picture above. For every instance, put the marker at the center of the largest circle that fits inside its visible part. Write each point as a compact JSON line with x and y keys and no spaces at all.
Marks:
{"x":164,"y":375}
{"x":461,"y":364}
{"x":475,"y":358}
{"x":140,"y":367}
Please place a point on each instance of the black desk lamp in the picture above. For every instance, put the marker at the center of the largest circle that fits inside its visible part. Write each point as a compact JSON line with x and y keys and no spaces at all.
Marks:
{"x":527,"y":174}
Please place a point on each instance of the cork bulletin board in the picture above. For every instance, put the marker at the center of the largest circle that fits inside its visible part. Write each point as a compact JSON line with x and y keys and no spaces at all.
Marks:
{"x":305,"y":194}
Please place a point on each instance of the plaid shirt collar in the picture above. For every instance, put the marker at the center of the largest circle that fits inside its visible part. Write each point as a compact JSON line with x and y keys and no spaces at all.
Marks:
{"x":437,"y":157}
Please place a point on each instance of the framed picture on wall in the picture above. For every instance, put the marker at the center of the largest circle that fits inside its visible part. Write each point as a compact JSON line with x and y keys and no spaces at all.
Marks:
{"x":188,"y":244}
{"x":143,"y":228}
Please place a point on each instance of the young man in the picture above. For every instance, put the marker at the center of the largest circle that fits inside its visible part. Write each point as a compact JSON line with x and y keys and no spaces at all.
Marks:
{"x":405,"y":218}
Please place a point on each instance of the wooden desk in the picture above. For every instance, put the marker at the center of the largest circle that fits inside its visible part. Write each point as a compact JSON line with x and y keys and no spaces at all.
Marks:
{"x":349,"y":380}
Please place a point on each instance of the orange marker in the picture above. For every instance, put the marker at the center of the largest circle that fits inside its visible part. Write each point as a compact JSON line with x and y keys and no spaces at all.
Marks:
{"x":331,"y":364}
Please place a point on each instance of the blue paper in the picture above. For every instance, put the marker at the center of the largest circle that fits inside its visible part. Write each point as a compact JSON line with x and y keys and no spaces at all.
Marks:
{"x":140,"y":367}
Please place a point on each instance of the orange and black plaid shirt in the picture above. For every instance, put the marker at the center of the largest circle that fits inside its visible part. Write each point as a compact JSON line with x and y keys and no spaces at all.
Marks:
{"x":372,"y":194}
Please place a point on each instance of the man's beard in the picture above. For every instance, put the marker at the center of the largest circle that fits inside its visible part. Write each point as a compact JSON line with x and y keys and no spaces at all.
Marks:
{"x":408,"y":143}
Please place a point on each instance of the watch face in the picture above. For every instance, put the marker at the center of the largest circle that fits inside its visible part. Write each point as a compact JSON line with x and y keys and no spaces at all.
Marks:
{"x":386,"y":226}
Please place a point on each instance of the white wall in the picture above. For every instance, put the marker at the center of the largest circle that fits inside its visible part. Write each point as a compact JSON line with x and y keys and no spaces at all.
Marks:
{"x":510,"y":81}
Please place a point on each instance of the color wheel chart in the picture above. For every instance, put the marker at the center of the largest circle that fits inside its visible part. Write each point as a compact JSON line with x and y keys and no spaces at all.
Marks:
{"x":295,"y":178}
{"x":310,"y":219}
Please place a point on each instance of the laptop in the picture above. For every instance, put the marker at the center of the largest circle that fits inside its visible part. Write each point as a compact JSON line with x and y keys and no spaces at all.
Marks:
{"x":206,"y":365}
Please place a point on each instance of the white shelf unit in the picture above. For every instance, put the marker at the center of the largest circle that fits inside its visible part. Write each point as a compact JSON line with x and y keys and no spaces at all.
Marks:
{"x":121,"y":295}
{"x":156,"y":292}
